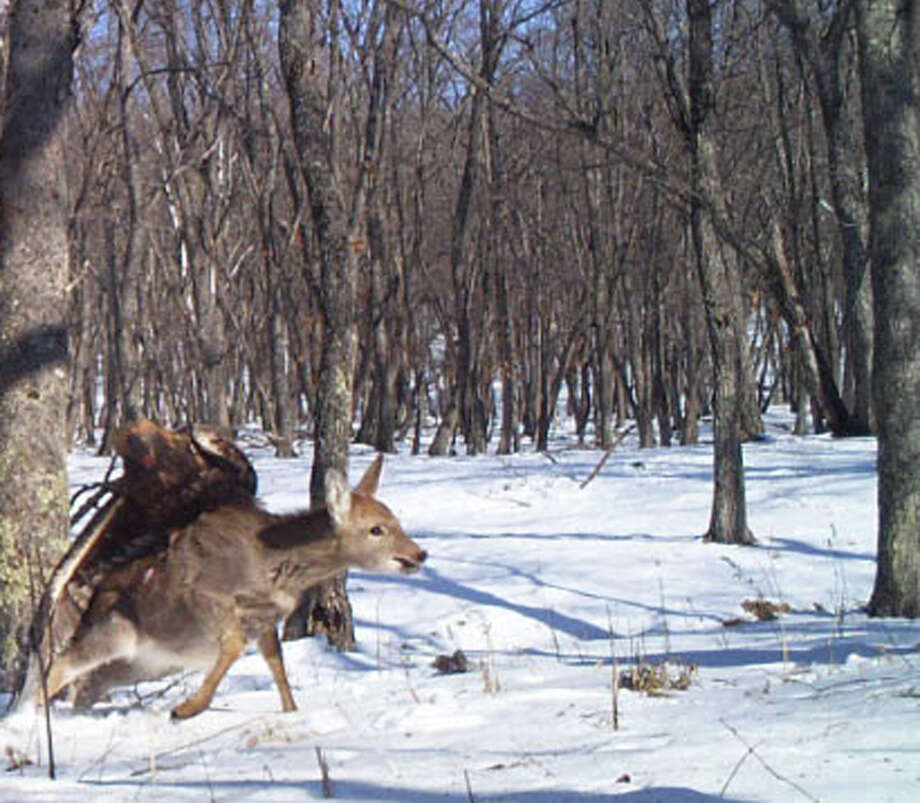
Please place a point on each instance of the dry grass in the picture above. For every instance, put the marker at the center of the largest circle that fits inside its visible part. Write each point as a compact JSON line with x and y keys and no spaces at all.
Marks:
{"x":452,"y":664}
{"x":658,"y":680}
{"x":764,"y":610}
{"x":16,"y":759}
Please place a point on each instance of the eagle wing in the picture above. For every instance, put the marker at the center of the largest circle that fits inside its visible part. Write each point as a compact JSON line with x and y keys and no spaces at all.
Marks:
{"x":169,"y":478}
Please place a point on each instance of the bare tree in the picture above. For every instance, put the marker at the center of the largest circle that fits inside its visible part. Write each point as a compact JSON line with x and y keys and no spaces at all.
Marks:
{"x":368,"y":221}
{"x":692,"y":102}
{"x":823,"y":50}
{"x":721,"y":285}
{"x":339,"y":216}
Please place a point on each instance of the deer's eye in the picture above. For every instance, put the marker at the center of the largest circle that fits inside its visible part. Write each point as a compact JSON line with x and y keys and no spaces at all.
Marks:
{"x":376,"y":530}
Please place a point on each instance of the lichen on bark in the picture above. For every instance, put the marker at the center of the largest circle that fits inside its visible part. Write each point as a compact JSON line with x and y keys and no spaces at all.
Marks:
{"x":34,"y":260}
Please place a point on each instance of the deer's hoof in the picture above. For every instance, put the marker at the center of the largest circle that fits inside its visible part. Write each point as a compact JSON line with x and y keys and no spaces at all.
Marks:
{"x":185,"y":710}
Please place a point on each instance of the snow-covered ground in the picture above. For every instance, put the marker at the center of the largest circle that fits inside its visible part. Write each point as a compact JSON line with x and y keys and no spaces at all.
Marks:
{"x":549,"y":588}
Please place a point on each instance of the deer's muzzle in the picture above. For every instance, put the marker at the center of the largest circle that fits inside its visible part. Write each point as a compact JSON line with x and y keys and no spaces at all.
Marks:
{"x":410,"y":565}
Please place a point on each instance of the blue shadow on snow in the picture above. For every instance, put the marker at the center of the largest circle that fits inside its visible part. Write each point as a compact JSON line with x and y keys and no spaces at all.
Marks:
{"x":356,"y":790}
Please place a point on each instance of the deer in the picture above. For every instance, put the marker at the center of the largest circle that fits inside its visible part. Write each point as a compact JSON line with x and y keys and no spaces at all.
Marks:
{"x":225,"y":580}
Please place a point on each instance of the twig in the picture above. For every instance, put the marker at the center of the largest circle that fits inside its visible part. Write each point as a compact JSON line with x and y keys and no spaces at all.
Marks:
{"x":415,"y":698}
{"x":157,"y":758}
{"x":597,"y":469}
{"x":207,"y":775}
{"x":101,"y":488}
{"x":328,"y":788}
{"x":469,"y":789}
{"x":734,"y":772}
{"x":607,"y":452}
{"x":34,"y":564}
{"x":615,"y":679}
{"x":159,"y":693}
{"x":752,"y":751}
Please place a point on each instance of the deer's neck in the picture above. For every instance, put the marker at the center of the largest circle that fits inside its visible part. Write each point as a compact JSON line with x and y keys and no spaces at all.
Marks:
{"x":302,"y":550}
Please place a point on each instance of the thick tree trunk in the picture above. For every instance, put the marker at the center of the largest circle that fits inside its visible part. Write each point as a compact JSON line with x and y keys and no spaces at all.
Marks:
{"x":325,"y":608}
{"x":728,"y":520}
{"x":719,"y":283}
{"x":33,"y":337}
{"x":889,"y":33}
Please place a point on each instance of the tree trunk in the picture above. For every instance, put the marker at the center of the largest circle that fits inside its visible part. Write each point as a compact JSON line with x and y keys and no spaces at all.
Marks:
{"x":440,"y":445}
{"x":693,"y":355}
{"x":281,"y":382}
{"x":376,"y":143}
{"x":508,"y":442}
{"x":888,"y":32}
{"x":33,"y":336}
{"x":463,"y":274}
{"x":124,"y":262}
{"x":815,"y":370}
{"x":384,"y":373}
{"x":728,"y":521}
{"x":325,"y":608}
{"x":823,"y":52}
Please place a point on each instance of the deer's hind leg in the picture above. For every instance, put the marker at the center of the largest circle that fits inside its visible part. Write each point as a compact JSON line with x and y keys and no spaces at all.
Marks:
{"x":111,"y":638}
{"x":232,"y":646}
{"x":270,"y":648}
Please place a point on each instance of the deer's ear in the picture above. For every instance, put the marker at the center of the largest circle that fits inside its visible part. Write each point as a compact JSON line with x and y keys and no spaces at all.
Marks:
{"x":371,"y":479}
{"x":337,"y":494}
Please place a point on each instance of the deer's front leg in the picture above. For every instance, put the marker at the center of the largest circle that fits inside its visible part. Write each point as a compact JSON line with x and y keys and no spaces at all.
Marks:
{"x":232,"y":646}
{"x":271,"y":652}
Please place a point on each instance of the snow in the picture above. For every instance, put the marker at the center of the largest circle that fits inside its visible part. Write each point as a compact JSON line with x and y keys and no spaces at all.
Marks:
{"x":550,"y":588}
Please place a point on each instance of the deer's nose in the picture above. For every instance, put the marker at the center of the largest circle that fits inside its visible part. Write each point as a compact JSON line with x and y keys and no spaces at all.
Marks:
{"x":421,"y":556}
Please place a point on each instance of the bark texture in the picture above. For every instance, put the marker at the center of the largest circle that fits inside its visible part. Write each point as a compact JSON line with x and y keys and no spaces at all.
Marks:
{"x":33,"y":338}
{"x":721,"y":287}
{"x":336,"y":236}
{"x":889,"y":49}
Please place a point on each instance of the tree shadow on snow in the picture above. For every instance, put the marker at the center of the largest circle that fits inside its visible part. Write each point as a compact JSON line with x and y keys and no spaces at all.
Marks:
{"x":809,"y":644}
{"x":356,"y":790}
{"x":433,"y":581}
{"x":831,"y":553}
{"x":800,"y":637}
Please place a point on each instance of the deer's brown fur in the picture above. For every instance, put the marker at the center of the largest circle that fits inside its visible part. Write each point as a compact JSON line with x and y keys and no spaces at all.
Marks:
{"x":224,"y":580}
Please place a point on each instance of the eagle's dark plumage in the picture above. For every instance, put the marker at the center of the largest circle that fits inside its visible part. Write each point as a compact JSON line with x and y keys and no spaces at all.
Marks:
{"x":169,"y":478}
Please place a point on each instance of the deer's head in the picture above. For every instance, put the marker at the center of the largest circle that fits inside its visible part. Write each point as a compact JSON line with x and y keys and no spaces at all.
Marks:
{"x":371,"y":536}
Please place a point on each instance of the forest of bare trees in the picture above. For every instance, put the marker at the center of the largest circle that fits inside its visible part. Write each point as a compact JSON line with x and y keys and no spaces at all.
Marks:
{"x":371,"y":219}
{"x":515,"y":188}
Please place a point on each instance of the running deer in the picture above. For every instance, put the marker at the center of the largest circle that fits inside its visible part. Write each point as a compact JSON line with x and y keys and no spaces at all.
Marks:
{"x":224,"y":580}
